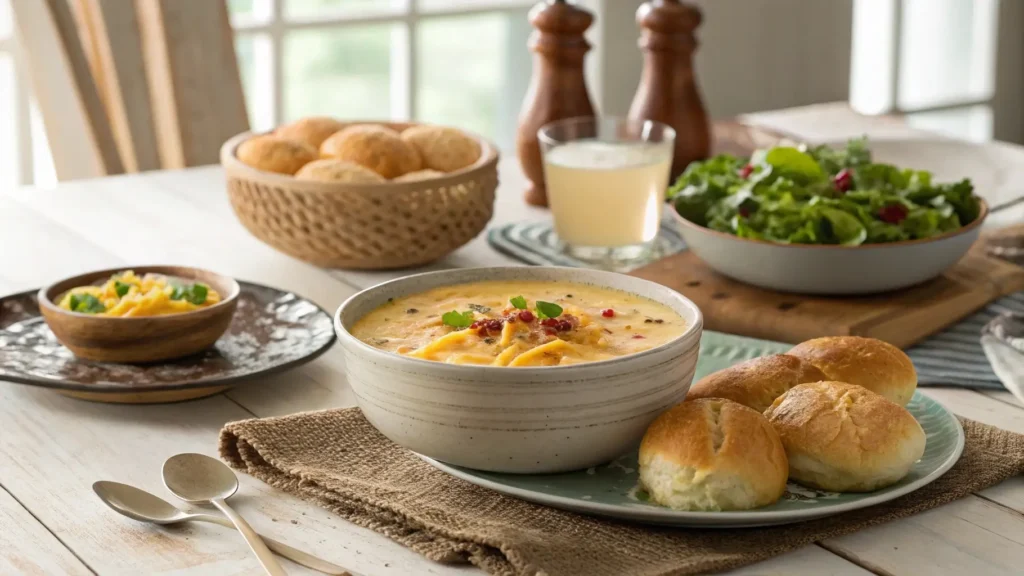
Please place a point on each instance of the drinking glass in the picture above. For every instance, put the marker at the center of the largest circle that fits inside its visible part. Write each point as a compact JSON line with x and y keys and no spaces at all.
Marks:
{"x":606,"y":179}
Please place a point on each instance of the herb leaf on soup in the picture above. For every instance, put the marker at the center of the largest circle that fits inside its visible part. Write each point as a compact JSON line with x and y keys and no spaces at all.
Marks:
{"x":457,"y":319}
{"x":121,"y":288}
{"x":548,"y":309}
{"x":86,"y":304}
{"x":519,"y":302}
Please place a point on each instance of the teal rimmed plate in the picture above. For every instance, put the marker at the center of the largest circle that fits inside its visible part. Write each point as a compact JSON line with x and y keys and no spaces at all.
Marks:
{"x":611,"y":489}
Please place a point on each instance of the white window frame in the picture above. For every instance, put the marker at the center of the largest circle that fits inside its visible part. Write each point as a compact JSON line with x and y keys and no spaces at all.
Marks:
{"x":22,"y":116}
{"x":876,"y":61}
{"x":272,"y":25}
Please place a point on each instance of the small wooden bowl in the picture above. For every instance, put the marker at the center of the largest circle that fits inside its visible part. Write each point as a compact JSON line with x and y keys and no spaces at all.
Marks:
{"x":141,"y":339}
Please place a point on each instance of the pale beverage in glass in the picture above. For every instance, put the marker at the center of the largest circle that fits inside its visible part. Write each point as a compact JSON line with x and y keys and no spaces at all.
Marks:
{"x":606,"y":180}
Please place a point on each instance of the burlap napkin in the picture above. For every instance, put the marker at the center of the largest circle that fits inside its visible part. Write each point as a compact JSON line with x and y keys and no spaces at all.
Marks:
{"x":337,"y":460}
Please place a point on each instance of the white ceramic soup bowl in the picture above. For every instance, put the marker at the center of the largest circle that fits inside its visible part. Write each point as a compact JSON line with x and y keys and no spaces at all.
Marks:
{"x":826,"y":269}
{"x":521,"y":420}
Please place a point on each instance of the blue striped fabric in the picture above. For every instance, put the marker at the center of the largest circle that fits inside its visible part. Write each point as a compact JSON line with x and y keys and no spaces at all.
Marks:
{"x":953,"y":357}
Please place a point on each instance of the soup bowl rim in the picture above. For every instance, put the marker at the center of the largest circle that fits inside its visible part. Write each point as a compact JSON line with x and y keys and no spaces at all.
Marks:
{"x":689,"y":337}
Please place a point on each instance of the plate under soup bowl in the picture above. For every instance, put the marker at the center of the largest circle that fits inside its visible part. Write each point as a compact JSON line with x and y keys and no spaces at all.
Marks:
{"x":518,"y":419}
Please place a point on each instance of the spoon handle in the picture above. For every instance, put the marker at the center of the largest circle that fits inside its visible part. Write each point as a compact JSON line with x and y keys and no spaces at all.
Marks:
{"x":281,"y":549}
{"x":263,"y":554}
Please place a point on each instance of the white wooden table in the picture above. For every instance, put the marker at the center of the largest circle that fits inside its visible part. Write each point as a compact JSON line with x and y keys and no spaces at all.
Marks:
{"x":53,"y":448}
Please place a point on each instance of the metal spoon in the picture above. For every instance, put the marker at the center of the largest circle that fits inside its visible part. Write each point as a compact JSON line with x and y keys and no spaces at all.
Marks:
{"x":143,"y":506}
{"x":198,"y":478}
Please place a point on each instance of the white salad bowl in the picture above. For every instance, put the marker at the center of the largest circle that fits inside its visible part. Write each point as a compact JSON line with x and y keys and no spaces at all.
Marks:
{"x":829,"y":270}
{"x":519,"y":420}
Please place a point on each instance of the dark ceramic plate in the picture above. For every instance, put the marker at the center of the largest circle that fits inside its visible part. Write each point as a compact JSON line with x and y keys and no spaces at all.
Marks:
{"x":271,"y":331}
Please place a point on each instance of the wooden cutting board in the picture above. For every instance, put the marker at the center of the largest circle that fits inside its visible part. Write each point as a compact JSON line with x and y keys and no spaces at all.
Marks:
{"x":902,"y":318}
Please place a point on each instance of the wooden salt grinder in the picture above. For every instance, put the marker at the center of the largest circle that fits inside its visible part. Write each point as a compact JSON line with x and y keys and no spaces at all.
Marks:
{"x":557,"y":89}
{"x":668,"y":91}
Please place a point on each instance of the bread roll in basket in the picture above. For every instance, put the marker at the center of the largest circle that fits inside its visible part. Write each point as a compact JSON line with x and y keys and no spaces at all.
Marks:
{"x":363,"y":226}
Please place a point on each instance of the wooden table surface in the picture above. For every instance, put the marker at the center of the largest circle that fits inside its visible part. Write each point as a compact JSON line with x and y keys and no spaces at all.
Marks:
{"x":53,"y":448}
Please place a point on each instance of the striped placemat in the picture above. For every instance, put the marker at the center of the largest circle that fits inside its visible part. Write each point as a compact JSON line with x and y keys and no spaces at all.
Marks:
{"x":953,"y":357}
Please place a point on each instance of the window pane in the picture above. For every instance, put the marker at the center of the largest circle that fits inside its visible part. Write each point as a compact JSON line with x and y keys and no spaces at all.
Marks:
{"x":248,"y":12}
{"x":311,"y":9}
{"x":5,"y":18}
{"x":449,"y":5}
{"x":343,"y":72}
{"x":947,"y":51}
{"x":484,"y":92}
{"x":9,"y":156}
{"x":972,"y":123}
{"x":254,"y":65}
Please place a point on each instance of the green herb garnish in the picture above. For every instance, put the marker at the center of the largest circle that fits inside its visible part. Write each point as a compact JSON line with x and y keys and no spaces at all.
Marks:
{"x":519,"y":302}
{"x":86,"y":304}
{"x":121,"y":288}
{"x":457,"y":319}
{"x":820,"y":195}
{"x":548,"y":310}
{"x":195,"y":293}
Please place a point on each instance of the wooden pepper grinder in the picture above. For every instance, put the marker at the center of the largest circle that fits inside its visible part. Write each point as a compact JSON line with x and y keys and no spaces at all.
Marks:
{"x":668,"y":91}
{"x":557,"y":89}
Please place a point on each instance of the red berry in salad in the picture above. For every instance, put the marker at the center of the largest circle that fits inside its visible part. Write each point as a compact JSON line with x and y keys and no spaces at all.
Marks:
{"x":844,"y":180}
{"x":746,"y":170}
{"x":893,"y":213}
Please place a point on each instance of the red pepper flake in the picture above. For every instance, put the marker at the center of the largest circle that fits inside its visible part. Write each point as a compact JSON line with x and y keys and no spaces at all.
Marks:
{"x":638,"y":336}
{"x":746,"y":170}
{"x":843,"y":180}
{"x":893,"y":213}
{"x":608,"y":313}
{"x":526,"y":316}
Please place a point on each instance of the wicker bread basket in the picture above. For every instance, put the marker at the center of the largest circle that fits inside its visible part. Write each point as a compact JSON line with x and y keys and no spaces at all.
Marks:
{"x":363,"y":226}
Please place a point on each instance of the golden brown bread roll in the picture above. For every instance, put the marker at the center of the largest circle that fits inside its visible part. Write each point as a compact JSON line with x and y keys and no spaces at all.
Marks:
{"x":312,"y":130}
{"x":418,"y":176}
{"x":378,"y":148}
{"x":845,"y":438}
{"x":756,"y":383}
{"x":334,"y":170}
{"x":275,"y":154}
{"x":712,"y":454}
{"x":443,"y":148}
{"x":868,"y":362}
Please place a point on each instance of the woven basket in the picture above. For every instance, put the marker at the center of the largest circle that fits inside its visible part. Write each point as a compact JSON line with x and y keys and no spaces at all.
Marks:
{"x":363,"y":226}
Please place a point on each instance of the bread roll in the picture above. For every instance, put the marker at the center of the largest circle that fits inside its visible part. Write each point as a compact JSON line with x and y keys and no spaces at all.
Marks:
{"x":418,"y":176}
{"x":378,"y":148}
{"x":312,"y":130}
{"x":442,"y":148}
{"x":873,"y":364}
{"x":333,"y":170}
{"x":712,"y":454}
{"x":275,"y":154}
{"x":756,"y":383}
{"x":845,"y":438}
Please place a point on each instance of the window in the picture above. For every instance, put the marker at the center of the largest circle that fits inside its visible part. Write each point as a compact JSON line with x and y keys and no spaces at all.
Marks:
{"x":932,"y":60}
{"x":458,"y":62}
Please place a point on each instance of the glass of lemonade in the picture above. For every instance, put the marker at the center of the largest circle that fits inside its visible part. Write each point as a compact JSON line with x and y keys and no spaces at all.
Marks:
{"x":606,"y":179}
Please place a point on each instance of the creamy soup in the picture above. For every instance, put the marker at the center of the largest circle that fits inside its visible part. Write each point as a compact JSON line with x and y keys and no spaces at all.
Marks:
{"x":519,"y":324}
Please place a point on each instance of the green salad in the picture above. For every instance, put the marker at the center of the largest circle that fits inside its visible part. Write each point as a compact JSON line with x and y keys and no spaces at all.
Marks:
{"x":820,"y":195}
